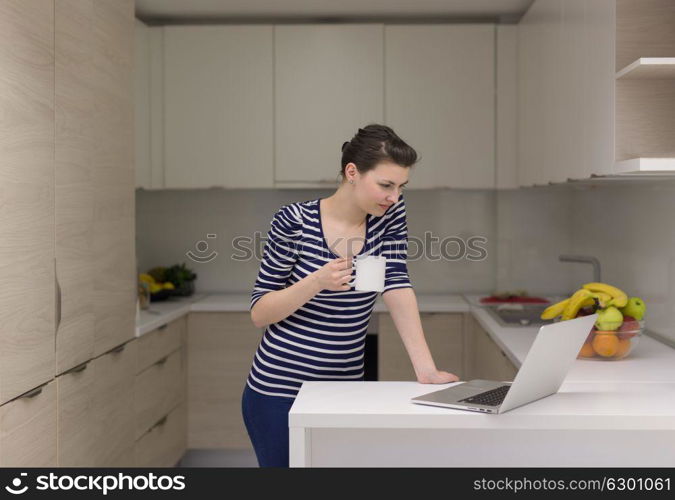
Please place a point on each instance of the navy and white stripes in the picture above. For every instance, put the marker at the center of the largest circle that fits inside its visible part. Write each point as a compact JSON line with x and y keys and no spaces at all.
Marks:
{"x":325,"y":338}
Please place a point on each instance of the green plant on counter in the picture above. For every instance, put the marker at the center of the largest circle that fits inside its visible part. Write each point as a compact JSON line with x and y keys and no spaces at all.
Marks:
{"x":179,"y":275}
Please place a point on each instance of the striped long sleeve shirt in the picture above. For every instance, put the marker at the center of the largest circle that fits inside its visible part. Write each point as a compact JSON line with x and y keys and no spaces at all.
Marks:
{"x":325,"y":338}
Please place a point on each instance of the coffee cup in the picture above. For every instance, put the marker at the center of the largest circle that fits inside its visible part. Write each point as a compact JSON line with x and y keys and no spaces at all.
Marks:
{"x":370,"y":272}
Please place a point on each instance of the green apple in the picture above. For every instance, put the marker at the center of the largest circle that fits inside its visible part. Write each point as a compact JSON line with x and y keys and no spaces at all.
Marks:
{"x":609,"y":319}
{"x":635,"y":307}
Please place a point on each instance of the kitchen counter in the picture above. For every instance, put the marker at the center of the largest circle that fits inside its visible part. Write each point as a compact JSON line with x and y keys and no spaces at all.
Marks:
{"x":160,"y":313}
{"x":606,"y":414}
{"x":587,"y":424}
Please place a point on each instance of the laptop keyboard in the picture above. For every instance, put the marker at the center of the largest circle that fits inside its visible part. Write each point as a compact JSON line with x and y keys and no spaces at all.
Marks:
{"x":494,"y":397}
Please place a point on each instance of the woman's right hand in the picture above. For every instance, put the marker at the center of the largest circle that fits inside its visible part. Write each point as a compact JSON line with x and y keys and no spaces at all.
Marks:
{"x":334,"y":275}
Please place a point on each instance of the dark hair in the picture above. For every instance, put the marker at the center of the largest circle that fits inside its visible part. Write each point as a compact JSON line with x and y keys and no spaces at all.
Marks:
{"x":373,"y":144}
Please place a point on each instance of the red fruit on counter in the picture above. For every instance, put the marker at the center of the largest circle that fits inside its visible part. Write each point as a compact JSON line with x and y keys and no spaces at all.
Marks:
{"x":628,"y":328}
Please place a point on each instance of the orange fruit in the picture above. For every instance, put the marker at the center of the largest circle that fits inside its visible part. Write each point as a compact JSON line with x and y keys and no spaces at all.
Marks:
{"x":605,"y":344}
{"x":586,"y":350}
{"x":623,"y":348}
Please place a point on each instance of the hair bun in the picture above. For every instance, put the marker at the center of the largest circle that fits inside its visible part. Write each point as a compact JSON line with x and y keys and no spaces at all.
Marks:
{"x":344,"y":145}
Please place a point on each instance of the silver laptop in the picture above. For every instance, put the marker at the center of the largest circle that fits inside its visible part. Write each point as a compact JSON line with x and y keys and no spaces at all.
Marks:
{"x":542,"y":373}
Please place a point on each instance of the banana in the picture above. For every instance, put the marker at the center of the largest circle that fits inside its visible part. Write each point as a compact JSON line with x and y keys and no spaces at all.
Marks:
{"x":575,"y":303}
{"x":619,"y":297}
{"x":554,"y":310}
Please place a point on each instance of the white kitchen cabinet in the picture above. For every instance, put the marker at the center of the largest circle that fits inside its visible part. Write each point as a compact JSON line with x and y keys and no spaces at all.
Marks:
{"x":440,"y":98}
{"x":578,"y":118}
{"x":328,"y":82}
{"x":217,"y":107}
{"x":507,"y":107}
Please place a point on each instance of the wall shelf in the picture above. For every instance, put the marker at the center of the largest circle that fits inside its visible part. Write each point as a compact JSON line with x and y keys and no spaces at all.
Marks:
{"x":645,"y":166}
{"x":649,"y":68}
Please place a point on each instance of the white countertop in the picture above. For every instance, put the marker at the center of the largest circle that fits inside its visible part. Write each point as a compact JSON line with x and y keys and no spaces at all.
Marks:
{"x":160,"y":313}
{"x":606,"y":405}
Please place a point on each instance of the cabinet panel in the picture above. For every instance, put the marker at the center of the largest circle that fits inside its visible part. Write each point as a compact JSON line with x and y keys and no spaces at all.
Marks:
{"x":488,"y":360}
{"x":113,"y":406}
{"x":221,"y":347}
{"x":444,"y":336}
{"x":74,"y":190}
{"x":142,"y":105}
{"x":440,"y":97}
{"x":156,"y":391}
{"x":218,"y":109}
{"x":113,"y":174}
{"x":165,"y":443}
{"x":28,"y":429}
{"x":76,"y":419}
{"x":159,"y":343}
{"x":27,"y":302}
{"x":328,"y":82}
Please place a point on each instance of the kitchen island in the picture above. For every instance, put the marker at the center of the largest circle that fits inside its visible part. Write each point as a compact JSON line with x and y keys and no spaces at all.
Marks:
{"x":606,"y":414}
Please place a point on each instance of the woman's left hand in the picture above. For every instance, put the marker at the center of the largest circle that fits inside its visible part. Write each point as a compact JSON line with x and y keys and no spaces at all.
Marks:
{"x":438,"y":377}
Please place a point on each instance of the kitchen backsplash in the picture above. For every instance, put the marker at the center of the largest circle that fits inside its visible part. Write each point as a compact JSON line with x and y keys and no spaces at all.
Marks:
{"x":171,"y":222}
{"x":628,"y":227}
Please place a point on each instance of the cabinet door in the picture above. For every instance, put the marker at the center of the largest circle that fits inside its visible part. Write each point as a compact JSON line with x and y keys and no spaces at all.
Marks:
{"x":440,"y":98}
{"x":28,"y":429}
{"x":76,"y":419}
{"x":113,"y":403}
{"x":218,"y":88}
{"x":74,"y":189}
{"x":113,"y":175}
{"x":164,"y":444}
{"x":444,"y":336}
{"x":27,"y":303}
{"x":328,"y":82}
{"x":221,"y":347}
{"x":142,"y":104}
{"x":489,"y":362}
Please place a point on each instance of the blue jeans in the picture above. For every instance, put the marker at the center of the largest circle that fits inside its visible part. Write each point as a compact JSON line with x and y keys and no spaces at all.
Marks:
{"x":266,"y":420}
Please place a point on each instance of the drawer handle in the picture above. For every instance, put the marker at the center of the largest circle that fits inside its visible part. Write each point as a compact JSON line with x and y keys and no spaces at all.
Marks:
{"x":32,"y":394}
{"x":162,"y":361}
{"x":163,"y":327}
{"x":117,"y":349}
{"x":78,"y":368}
{"x":160,"y":422}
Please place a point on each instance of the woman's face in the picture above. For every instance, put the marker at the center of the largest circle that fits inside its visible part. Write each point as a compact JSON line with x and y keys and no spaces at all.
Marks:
{"x":379,"y":188}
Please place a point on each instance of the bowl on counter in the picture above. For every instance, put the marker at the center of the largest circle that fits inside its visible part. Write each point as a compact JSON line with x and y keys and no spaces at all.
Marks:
{"x":604,"y":345}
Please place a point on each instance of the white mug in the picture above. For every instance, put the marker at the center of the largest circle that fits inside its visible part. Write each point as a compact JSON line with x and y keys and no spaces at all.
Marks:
{"x":369,"y":273}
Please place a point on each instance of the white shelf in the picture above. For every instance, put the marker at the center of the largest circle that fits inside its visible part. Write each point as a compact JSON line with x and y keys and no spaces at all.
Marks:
{"x":645,"y":166}
{"x":649,"y":68}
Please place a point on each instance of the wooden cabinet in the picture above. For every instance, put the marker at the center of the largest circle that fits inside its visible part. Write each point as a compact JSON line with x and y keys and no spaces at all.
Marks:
{"x":485,"y":359}
{"x":164,"y":444}
{"x":328,"y":82}
{"x":221,"y":347}
{"x":440,"y":97}
{"x":445,"y":338}
{"x":218,"y":109}
{"x":28,"y":429}
{"x":113,"y":405}
{"x":27,"y":304}
{"x":160,"y":402}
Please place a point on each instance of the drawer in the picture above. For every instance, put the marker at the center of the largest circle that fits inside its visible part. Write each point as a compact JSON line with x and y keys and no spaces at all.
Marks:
{"x":164,"y":444}
{"x":76,"y":424}
{"x":160,"y":342}
{"x":113,"y":403}
{"x":28,"y":429}
{"x":157,"y":390}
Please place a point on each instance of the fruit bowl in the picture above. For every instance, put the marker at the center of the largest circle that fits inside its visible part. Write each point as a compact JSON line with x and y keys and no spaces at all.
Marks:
{"x":603,"y":345}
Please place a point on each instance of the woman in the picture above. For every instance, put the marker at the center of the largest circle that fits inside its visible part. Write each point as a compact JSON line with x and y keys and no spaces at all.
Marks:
{"x":315,"y":323}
